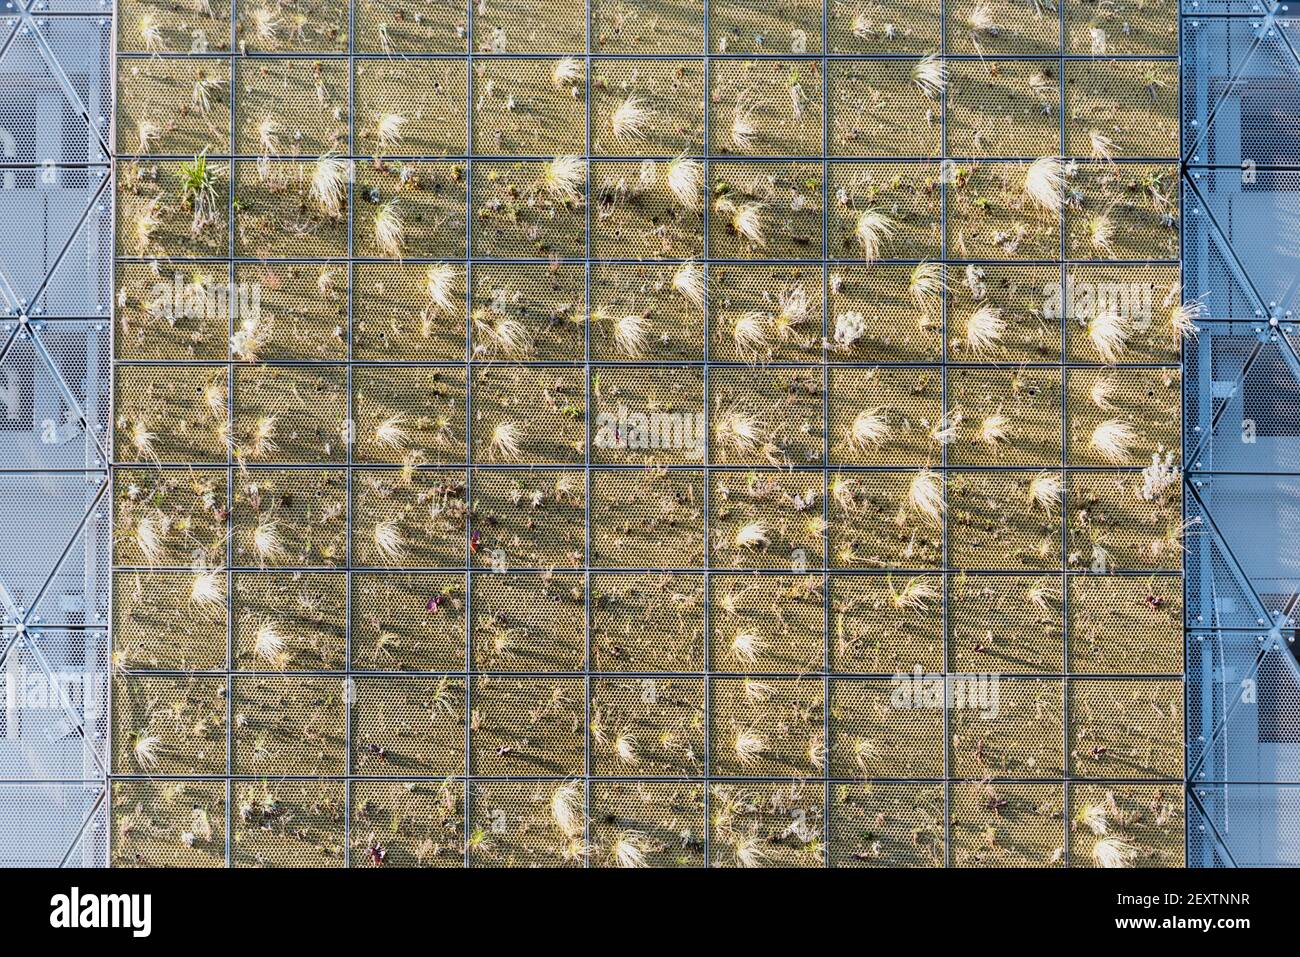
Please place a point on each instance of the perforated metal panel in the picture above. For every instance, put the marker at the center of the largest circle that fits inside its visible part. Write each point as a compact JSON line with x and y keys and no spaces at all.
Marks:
{"x":55,"y":421}
{"x":644,"y":411}
{"x":1240,"y":79}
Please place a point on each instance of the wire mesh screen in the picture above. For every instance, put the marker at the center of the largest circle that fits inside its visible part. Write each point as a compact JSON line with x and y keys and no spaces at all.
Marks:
{"x":647,"y":433}
{"x":55,"y":354}
{"x":1240,"y":81}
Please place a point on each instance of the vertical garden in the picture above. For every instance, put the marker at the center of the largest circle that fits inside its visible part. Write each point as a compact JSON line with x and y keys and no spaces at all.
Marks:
{"x":563,"y":435}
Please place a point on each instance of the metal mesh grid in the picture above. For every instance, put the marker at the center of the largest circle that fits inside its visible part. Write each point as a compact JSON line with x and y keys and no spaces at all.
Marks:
{"x":408,"y":824}
{"x":1007,"y":825}
{"x":288,"y":824}
{"x":661,"y":824}
{"x":413,"y":475}
{"x":169,"y":823}
{"x":886,"y":825}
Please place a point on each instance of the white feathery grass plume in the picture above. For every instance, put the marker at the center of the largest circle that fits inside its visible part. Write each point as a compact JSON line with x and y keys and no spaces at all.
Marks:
{"x":148,"y":537}
{"x":630,"y":119}
{"x":505,"y":440}
{"x":626,"y":748}
{"x":749,"y":851}
{"x":865,"y":750}
{"x":1100,"y":230}
{"x":916,"y":594}
{"x":1041,"y":85}
{"x":1158,"y":477}
{"x":144,"y":750}
{"x":439,"y":280}
{"x":629,"y":849}
{"x":214,"y":398}
{"x":743,"y":128}
{"x":570,"y":487}
{"x":792,"y":310}
{"x":1094,"y":818}
{"x":632,"y":334}
{"x":871,"y":229}
{"x":995,"y":429}
{"x":734,"y":430}
{"x":925,"y":495}
{"x":147,"y":131}
{"x":1171,"y":542}
{"x":1101,"y":146}
{"x":142,"y":440}
{"x":1109,"y":332}
{"x":267,"y":544}
{"x":146,"y":223}
{"x":390,"y":231}
{"x":388,"y":131}
{"x":689,"y":281}
{"x":261,"y":438}
{"x":208,"y":588}
{"x":205,"y":89}
{"x":982,"y":26}
{"x":268,"y":135}
{"x":1045,"y":183}
{"x":577,"y":849}
{"x":1113,"y":852}
{"x":1114,"y":440}
{"x":329,"y":185}
{"x":686,"y":181}
{"x":566,"y":809}
{"x":1041,"y":595}
{"x":389,"y":541}
{"x":151,"y":33}
{"x":746,"y":646}
{"x":250,"y":337}
{"x":391,"y":432}
{"x":564,"y":177}
{"x":268,"y":642}
{"x":503,"y":332}
{"x":869,"y":430}
{"x":747,"y":221}
{"x":817,"y":750}
{"x":1100,"y":392}
{"x":1183,"y":317}
{"x":1045,"y":490}
{"x":930,"y":76}
{"x":927,"y":284}
{"x":749,"y":744}
{"x":985,"y":328}
{"x":266,"y":24}
{"x":751,"y":333}
{"x":568,"y":72}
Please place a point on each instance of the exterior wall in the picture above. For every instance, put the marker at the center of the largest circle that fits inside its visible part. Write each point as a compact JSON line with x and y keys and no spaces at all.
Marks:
{"x":55,"y":349}
{"x":357,"y":620}
{"x":1240,"y":205}
{"x":484,"y":608}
